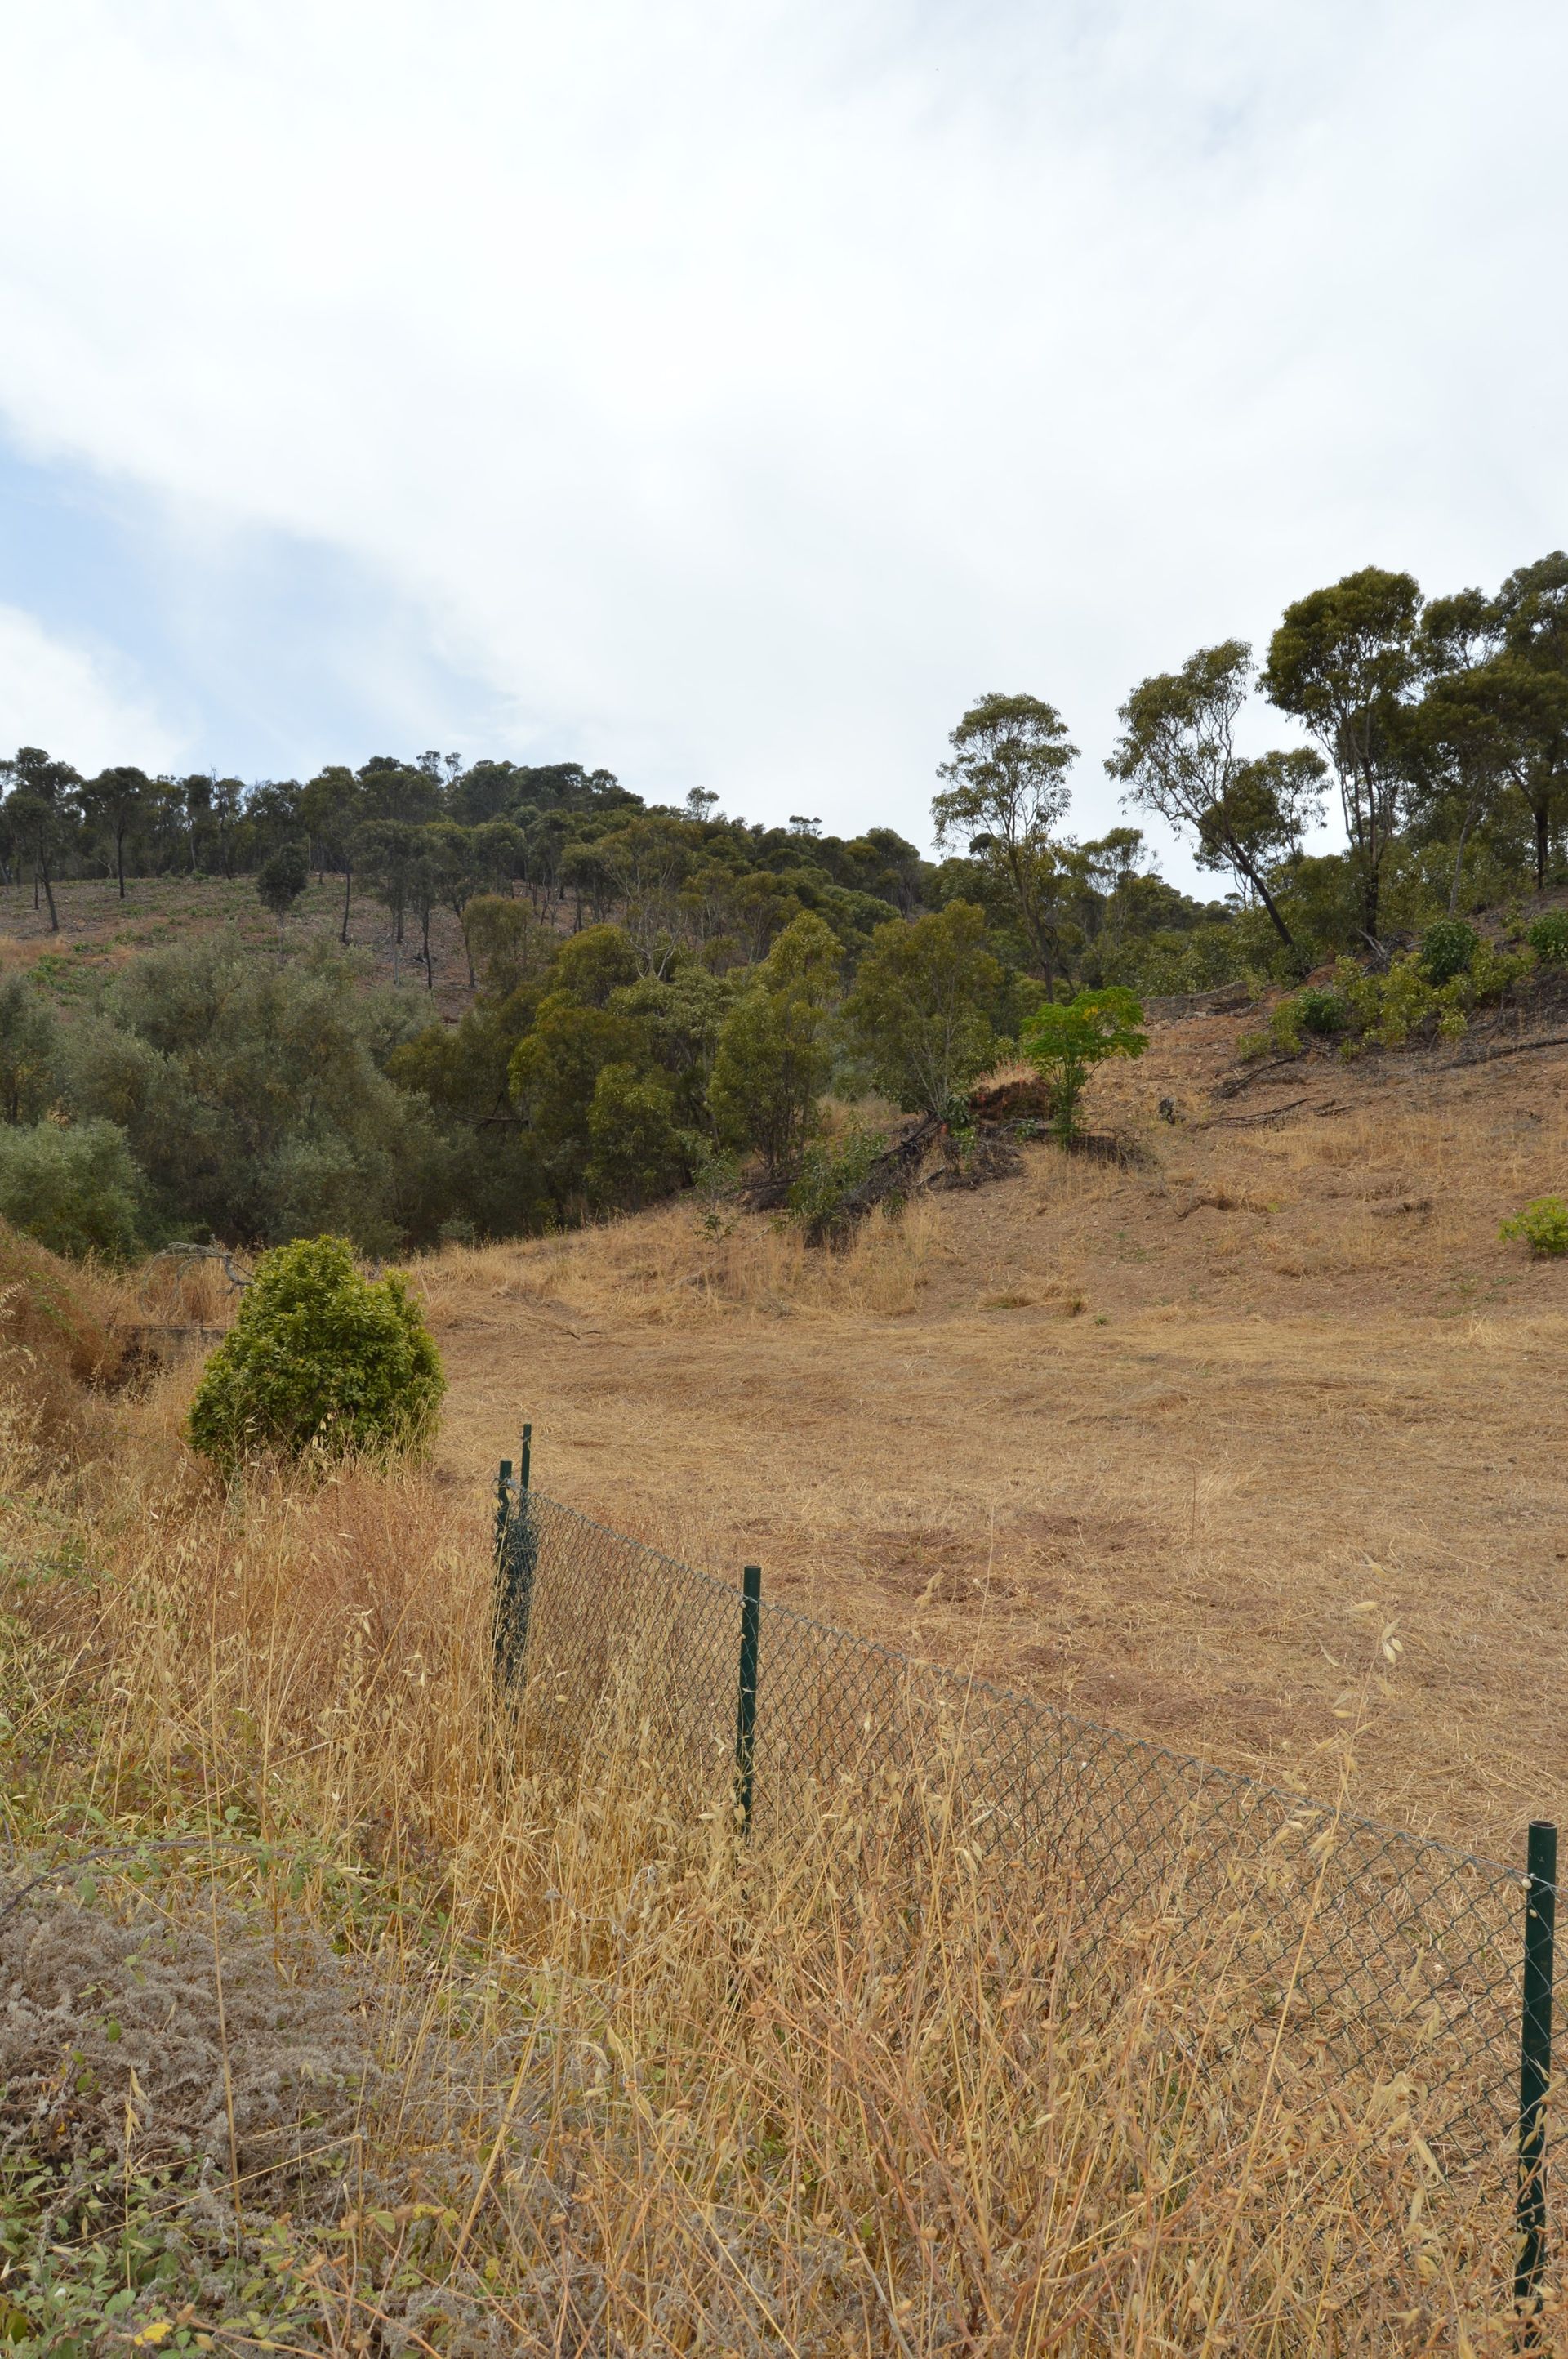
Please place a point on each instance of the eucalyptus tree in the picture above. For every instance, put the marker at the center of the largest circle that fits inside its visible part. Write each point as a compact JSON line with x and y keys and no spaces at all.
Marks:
{"x":1345,"y":662}
{"x":116,"y":802}
{"x":1007,"y":793}
{"x":1479,"y":727}
{"x":388,"y":852}
{"x":1177,"y":756}
{"x":1532,"y":614}
{"x":44,"y":814}
{"x":330,"y":807}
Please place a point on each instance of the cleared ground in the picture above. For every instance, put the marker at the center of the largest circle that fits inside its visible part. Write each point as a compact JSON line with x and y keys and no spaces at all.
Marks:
{"x":1168,"y":1443}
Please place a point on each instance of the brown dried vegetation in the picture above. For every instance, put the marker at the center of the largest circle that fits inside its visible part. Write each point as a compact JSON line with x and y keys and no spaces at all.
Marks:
{"x":611,"y":2091}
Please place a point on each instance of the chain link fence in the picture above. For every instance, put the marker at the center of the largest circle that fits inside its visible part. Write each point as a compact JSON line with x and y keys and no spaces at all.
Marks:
{"x":1374,"y":1953}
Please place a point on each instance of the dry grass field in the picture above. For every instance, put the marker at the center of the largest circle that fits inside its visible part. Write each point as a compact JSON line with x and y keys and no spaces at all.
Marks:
{"x":1146,"y":1440}
{"x":337,"y":2025}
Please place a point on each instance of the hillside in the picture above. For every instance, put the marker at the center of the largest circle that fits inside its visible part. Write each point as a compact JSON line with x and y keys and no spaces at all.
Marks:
{"x":1146,"y":1440}
{"x":1173,"y":1441}
{"x":99,"y":932}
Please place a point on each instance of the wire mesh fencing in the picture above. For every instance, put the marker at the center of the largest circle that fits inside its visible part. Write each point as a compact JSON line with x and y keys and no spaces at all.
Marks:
{"x":1375,"y":1957}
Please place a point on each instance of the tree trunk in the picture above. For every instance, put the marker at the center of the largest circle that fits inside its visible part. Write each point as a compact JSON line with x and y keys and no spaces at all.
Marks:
{"x":425,"y":925}
{"x":348,"y":888}
{"x":48,"y":895}
{"x":120,"y":859}
{"x":1268,"y":900}
{"x":1369,"y":903}
{"x":1542,"y":844}
{"x":1458,"y":865}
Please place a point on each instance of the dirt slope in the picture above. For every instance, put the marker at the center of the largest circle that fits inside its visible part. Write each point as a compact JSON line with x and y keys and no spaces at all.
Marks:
{"x":1169,"y":1442}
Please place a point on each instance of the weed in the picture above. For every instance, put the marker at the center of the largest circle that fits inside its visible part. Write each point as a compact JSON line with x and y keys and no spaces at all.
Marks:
{"x":1542,"y":1225}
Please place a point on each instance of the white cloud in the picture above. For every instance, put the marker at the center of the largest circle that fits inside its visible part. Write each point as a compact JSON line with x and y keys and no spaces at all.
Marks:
{"x":76,"y":702}
{"x":742,"y":389}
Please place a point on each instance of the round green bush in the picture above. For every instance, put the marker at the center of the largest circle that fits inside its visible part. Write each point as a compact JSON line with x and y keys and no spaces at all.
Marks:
{"x":1322,"y":1010}
{"x":1447,"y":949}
{"x":1548,"y":937}
{"x":319,"y":1359}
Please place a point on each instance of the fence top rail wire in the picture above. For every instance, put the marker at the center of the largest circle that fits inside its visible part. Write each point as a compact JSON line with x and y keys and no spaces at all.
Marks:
{"x":1072,"y":1724}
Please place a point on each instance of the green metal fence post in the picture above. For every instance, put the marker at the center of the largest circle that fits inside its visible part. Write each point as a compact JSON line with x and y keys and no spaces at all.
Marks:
{"x":497,"y":1613}
{"x":746,"y":1706}
{"x":503,"y":1503}
{"x":516,"y":1552}
{"x":1535,"y":2060}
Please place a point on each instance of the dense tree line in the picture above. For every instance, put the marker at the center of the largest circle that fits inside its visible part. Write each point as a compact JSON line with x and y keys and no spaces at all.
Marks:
{"x":653,"y":990}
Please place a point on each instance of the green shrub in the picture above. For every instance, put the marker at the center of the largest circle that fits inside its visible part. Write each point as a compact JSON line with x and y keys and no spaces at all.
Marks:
{"x":319,"y":1359}
{"x":73,"y":1187}
{"x":831,"y":1170}
{"x":1285,"y":1027}
{"x":637,"y":1152}
{"x":1548,"y":937}
{"x":1065,"y":1043}
{"x":1542,"y":1225}
{"x":1448,"y":948}
{"x":1324,"y":1012}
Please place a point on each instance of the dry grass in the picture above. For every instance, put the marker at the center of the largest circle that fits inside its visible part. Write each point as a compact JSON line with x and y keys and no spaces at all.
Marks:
{"x":1145,"y":1438}
{"x":1140,"y":1440}
{"x":620,"y":2087}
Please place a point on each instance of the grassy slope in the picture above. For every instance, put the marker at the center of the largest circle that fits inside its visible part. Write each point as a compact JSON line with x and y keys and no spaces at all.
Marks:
{"x":1136,"y":1440}
{"x":1142,"y":1441}
{"x":1142,"y":1437}
{"x":98,"y":931}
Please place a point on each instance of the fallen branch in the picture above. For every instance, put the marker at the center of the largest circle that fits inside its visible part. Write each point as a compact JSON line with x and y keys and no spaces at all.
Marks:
{"x":1514,"y":1049}
{"x":1248,"y":1120}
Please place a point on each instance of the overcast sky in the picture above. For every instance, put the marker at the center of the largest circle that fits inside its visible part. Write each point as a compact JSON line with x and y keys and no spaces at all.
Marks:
{"x":729,"y":393}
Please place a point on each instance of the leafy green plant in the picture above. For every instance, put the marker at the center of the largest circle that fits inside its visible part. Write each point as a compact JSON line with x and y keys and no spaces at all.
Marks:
{"x":831,"y":1170}
{"x":1324,"y":1011}
{"x":632,"y":1130}
{"x":716,"y":1185}
{"x":1448,"y":948}
{"x":1542,"y":1225}
{"x":1065,"y":1042}
{"x":921,"y":1010}
{"x":1548,"y":937}
{"x":1285,"y":1027}
{"x":282,"y":880}
{"x":73,"y":1187}
{"x":774,"y":1053}
{"x":319,"y":1359}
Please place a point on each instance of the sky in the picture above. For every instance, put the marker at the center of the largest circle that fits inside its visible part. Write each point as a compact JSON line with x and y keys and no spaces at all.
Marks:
{"x":730,"y":391}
